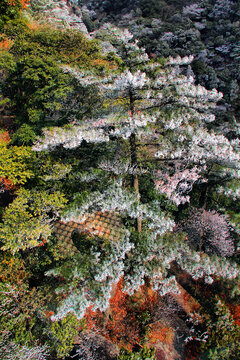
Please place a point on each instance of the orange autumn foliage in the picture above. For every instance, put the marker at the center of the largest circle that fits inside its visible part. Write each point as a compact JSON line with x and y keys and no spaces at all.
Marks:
{"x":4,"y":137}
{"x":49,"y":314}
{"x":92,"y":319}
{"x":6,"y":44}
{"x":146,"y":298}
{"x":159,"y":333}
{"x":122,"y":327}
{"x":235,"y":311}
{"x":33,"y":25}
{"x":23,"y":3}
{"x":6,"y":185}
{"x":12,"y":270}
{"x":122,"y":323}
{"x":103,"y":64}
{"x":42,"y":243}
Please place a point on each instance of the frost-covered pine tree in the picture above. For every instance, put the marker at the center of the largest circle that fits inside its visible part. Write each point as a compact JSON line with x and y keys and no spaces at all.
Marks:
{"x":156,"y":115}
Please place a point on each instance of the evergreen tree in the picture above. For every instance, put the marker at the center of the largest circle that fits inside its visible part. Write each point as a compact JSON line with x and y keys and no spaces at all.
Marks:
{"x":159,"y":120}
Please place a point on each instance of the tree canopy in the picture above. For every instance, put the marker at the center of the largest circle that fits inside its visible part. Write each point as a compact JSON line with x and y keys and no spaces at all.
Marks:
{"x":119,"y":180}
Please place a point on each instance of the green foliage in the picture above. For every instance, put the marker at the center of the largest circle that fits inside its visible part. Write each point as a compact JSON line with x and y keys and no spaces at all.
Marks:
{"x":16,"y":163}
{"x":35,"y":84}
{"x":7,"y":62}
{"x":53,"y":171}
{"x":64,"y":333}
{"x":85,"y":243}
{"x":156,"y":9}
{"x":143,"y":354}
{"x":12,"y":268}
{"x":69,"y":46}
{"x":25,"y":135}
{"x":21,"y":309}
{"x":10,"y":12}
{"x":224,"y":336}
{"x":31,"y":214}
{"x":148,"y":191}
{"x":38,"y":89}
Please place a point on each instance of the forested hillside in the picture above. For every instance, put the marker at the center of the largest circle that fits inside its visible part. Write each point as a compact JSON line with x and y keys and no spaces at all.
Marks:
{"x":119,"y":180}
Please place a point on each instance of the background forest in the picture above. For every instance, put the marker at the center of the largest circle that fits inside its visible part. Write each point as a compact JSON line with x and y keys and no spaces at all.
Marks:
{"x":119,"y":179}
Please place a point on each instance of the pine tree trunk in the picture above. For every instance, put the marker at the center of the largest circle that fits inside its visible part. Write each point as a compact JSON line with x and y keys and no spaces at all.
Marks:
{"x":133,"y":149}
{"x":203,"y":196}
{"x":135,"y":182}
